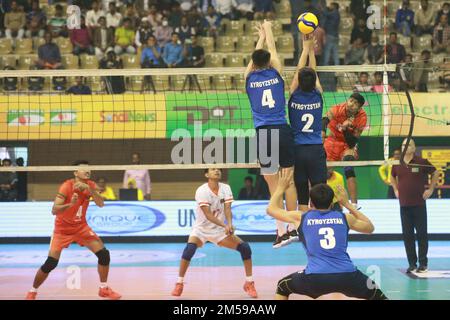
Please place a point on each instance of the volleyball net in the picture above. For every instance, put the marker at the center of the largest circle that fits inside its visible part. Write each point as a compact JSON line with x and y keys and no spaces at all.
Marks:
{"x":176,"y":118}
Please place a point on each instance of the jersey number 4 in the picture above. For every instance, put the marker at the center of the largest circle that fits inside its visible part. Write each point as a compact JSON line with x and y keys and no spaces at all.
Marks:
{"x":309,"y":119}
{"x":267,"y":99}
{"x":329,"y":241}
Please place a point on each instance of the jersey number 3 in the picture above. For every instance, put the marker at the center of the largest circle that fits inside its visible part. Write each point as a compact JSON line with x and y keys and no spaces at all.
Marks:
{"x":267,"y":99}
{"x":309,"y":119}
{"x":329,"y":241}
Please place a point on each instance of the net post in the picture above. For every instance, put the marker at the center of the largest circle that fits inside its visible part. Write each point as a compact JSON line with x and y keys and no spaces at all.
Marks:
{"x":385,"y":88}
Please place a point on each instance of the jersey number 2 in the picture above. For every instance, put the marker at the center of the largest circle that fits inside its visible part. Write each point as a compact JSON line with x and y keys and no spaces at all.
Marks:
{"x":329,"y":241}
{"x":267,"y":99}
{"x":309,"y":119}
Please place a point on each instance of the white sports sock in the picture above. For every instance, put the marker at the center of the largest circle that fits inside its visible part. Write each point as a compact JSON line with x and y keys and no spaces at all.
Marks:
{"x":180,"y":280}
{"x":33,"y":289}
{"x":103,"y":285}
{"x":249,"y":279}
{"x":281,"y":228}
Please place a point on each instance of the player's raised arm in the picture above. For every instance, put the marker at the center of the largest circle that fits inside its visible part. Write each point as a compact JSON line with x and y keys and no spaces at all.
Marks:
{"x":313,"y":65}
{"x":259,"y":45}
{"x":270,"y":41}
{"x":275,"y":208}
{"x":60,"y":199}
{"x":307,"y":44}
{"x":356,"y":219}
{"x":98,"y":199}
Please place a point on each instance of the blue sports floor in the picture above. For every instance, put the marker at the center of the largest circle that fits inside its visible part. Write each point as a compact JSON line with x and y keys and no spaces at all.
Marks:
{"x":155,"y":269}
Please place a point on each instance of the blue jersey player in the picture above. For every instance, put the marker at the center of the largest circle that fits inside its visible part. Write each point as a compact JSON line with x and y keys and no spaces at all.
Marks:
{"x":324,"y":233}
{"x":305,"y":114}
{"x":266,"y":93}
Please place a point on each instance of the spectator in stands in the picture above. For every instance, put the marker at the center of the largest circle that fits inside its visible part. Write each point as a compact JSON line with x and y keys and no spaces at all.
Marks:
{"x":195,"y":20}
{"x":355,"y":55}
{"x":79,"y":88}
{"x":441,"y":36}
{"x":404,"y":19}
{"x":212,"y":22}
{"x":124,"y":38}
{"x":173,"y":52}
{"x":332,"y":20}
{"x":93,"y":15}
{"x":81,"y":39}
{"x":444,"y":78}
{"x":154,"y":17}
{"x":151,"y":55}
{"x":319,"y":43}
{"x":107,"y":193}
{"x":186,"y":5}
{"x":8,"y":183}
{"x":133,"y":16}
{"x":114,"y":84}
{"x":374,"y":51}
{"x":49,"y":56}
{"x":378,"y":86}
{"x":424,"y":18}
{"x":385,"y":173}
{"x":361,"y":31}
{"x":358,"y":9}
{"x":15,"y":21}
{"x":248,"y":192}
{"x":421,"y":71}
{"x":406,"y":72}
{"x":113,"y":18}
{"x":175,"y":15}
{"x":143,"y":33}
{"x":143,"y":7}
{"x":244,"y":9}
{"x":184,"y":30}
{"x":163,"y":32}
{"x":103,"y":38}
{"x":395,"y":52}
{"x":445,"y":10}
{"x":263,"y":8}
{"x":22,"y":181}
{"x":36,"y":21}
{"x":140,"y":176}
{"x":362,"y":85}
{"x":194,"y":54}
{"x":58,"y":23}
{"x":225,"y":8}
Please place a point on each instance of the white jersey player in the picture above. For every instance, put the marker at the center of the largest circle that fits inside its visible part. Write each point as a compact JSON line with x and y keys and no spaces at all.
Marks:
{"x":214,"y":224}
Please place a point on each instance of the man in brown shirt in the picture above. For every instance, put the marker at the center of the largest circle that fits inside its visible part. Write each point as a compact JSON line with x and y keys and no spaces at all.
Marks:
{"x":409,"y":181}
{"x":15,"y":22}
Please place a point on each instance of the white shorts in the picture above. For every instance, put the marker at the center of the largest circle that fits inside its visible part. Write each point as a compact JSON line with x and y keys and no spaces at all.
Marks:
{"x":215,"y":235}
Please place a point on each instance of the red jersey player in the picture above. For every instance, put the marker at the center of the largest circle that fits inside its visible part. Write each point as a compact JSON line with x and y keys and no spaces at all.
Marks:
{"x":69,"y":207}
{"x":346,"y":122}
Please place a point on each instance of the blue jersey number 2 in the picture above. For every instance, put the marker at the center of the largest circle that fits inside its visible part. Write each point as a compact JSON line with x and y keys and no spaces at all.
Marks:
{"x":309,"y":119}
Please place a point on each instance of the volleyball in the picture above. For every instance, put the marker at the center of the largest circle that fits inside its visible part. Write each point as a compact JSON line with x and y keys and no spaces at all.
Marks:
{"x":307,"y":22}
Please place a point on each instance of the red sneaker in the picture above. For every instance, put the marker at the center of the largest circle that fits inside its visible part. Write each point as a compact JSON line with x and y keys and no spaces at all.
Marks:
{"x":178,"y":290}
{"x":249,"y":287}
{"x":109,"y":293}
{"x":31,"y":295}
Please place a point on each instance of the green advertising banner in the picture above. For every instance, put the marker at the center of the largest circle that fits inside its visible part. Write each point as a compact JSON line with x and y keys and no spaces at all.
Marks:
{"x":197,"y":112}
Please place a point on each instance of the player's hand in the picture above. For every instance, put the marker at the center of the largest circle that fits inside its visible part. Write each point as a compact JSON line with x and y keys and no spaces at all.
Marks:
{"x":308,"y":41}
{"x":396,"y":193}
{"x":229,"y":229}
{"x":81,"y":186}
{"x":285,"y":178}
{"x":427,"y":194}
{"x":267,"y":24}
{"x":74,"y":198}
{"x":342,"y":196}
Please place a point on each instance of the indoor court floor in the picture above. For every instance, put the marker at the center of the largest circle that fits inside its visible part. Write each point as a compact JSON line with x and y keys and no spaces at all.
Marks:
{"x":149,"y":271}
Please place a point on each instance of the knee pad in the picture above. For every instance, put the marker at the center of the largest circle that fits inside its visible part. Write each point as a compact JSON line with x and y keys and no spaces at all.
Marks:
{"x":244,"y":250}
{"x":49,"y":265}
{"x":189,"y":251}
{"x":283,"y":288}
{"x":103,"y":257}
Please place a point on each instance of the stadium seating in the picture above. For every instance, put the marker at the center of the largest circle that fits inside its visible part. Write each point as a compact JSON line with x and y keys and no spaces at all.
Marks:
{"x":64,"y":44}
{"x":88,"y":62}
{"x":24,"y":46}
{"x":214,"y":60}
{"x":233,"y":60}
{"x":5,"y":46}
{"x":225,"y":44}
{"x":69,"y":61}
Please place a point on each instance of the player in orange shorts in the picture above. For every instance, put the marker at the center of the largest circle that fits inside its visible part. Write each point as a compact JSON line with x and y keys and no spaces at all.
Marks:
{"x":70,"y":206}
{"x":346,"y":122}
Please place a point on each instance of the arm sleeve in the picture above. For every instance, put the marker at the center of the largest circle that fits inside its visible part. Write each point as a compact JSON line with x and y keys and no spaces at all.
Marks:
{"x":430,"y":169}
{"x":148,"y":186}
{"x":228,"y":195}
{"x":382,"y":172}
{"x":202,"y":198}
{"x":394,"y":171}
{"x":63,"y":191}
{"x":125,"y":180}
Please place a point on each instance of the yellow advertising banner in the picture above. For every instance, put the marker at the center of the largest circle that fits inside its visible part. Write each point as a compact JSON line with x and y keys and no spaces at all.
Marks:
{"x":432,"y":112}
{"x":127,"y":116}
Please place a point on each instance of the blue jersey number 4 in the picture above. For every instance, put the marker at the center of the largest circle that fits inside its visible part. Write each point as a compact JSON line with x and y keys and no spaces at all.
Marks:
{"x":267,"y":99}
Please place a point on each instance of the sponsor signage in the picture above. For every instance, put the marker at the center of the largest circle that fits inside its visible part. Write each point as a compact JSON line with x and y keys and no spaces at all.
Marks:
{"x":176,"y":218}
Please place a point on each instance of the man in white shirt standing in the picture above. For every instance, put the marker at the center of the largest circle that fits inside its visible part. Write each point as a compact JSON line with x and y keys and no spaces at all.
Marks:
{"x":93,"y":15}
{"x":113,"y":18}
{"x":142,"y":177}
{"x":213,"y":208}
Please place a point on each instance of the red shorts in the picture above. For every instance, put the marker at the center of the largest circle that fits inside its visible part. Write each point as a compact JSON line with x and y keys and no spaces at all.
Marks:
{"x":82,"y":236}
{"x":335,"y":149}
